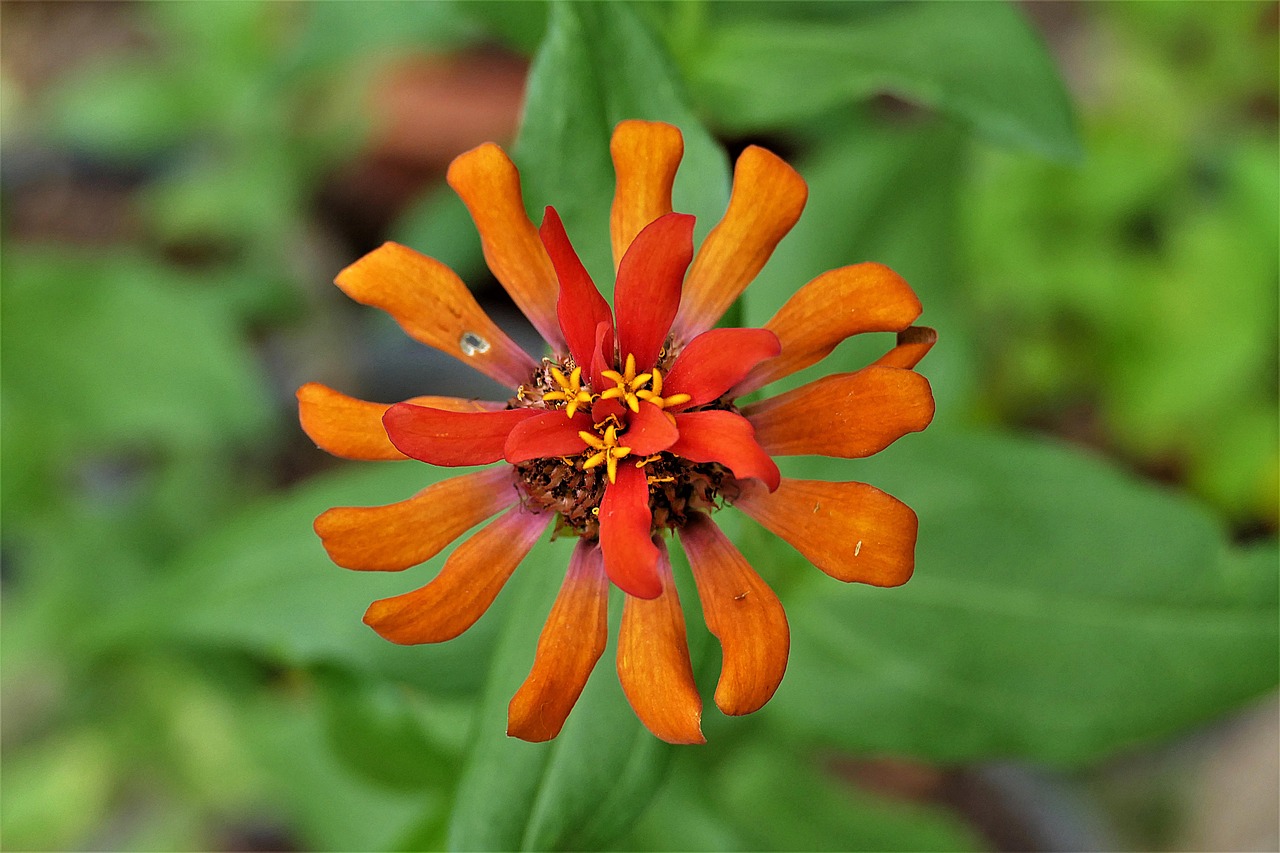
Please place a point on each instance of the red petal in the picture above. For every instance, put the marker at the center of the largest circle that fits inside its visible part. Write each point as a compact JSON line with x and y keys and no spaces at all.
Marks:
{"x":451,"y":438}
{"x":546,"y":434}
{"x":353,"y":429}
{"x":849,"y":415}
{"x":579,"y":306}
{"x":399,"y":535}
{"x":851,"y":531}
{"x":602,"y":356}
{"x":914,"y":344}
{"x":571,"y":642}
{"x":743,"y":613}
{"x":648,"y":290}
{"x":719,"y":436}
{"x":653,"y":662}
{"x":715,"y":361}
{"x":648,"y":431}
{"x":602,"y":409}
{"x":468,"y":583}
{"x":630,"y":557}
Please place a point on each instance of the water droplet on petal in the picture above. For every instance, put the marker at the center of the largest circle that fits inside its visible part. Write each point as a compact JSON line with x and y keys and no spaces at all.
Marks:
{"x":473,"y":344}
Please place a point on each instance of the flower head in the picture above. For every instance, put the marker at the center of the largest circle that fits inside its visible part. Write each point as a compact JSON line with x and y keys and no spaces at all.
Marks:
{"x":626,"y":431}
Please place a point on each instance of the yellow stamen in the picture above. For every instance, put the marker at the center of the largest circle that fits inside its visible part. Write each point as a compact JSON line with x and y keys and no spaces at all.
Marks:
{"x":653,"y":394}
{"x":606,"y":447}
{"x":628,"y":385}
{"x":570,"y":392}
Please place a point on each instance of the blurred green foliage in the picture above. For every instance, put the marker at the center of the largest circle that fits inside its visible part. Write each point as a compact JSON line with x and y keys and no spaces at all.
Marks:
{"x":184,"y":668}
{"x":1142,"y":285}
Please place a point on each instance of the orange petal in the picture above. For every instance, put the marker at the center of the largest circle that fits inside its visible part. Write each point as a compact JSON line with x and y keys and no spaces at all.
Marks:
{"x":432,"y":304}
{"x":571,"y":642}
{"x":653,"y":663}
{"x":851,"y":531}
{"x":489,"y":185}
{"x":646,"y":155}
{"x":352,"y":429}
{"x":767,"y":198}
{"x":468,"y":583}
{"x":843,"y":302}
{"x":743,"y":613}
{"x":849,"y":414}
{"x":399,"y":535}
{"x":913,"y":344}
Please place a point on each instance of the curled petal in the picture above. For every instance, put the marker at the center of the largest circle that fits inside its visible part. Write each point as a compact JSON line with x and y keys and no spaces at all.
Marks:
{"x":848,"y":415}
{"x":602,"y":354}
{"x":468,"y":583}
{"x":579,"y":307}
{"x":352,"y":429}
{"x":630,"y":557}
{"x":835,"y":305}
{"x":546,"y":434}
{"x":571,"y":642}
{"x":489,"y":185}
{"x":716,"y":361}
{"x":766,"y":201}
{"x":434,"y":307}
{"x":451,"y":438}
{"x":648,"y":288}
{"x":646,"y":155}
{"x":851,"y":531}
{"x":720,"y":436}
{"x":914,"y":344}
{"x":649,"y":431}
{"x":653,"y":663}
{"x":399,"y":535}
{"x":743,"y":613}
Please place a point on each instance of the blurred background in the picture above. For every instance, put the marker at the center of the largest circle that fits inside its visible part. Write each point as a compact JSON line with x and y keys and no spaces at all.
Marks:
{"x":1084,"y":195}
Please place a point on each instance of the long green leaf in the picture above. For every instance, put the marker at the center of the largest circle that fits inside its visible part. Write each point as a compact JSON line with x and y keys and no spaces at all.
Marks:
{"x":979,"y":62}
{"x":1060,"y":611}
{"x":262,"y":583}
{"x":575,"y":792}
{"x":599,"y":64}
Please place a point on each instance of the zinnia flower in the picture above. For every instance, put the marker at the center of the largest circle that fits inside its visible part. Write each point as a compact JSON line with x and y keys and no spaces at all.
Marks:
{"x":628,"y":430}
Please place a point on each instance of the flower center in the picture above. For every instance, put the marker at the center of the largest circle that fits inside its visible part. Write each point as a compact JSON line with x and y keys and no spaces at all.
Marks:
{"x":573,"y":486}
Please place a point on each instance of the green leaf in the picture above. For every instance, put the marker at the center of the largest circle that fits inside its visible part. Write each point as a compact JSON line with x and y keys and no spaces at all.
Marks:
{"x":57,"y":790}
{"x":339,"y":33}
{"x":776,"y":799}
{"x":262,"y":583}
{"x":375,"y":729}
{"x":598,"y":65}
{"x":126,"y":110}
{"x":331,"y":808}
{"x":979,"y":62}
{"x":518,"y":23}
{"x":117,"y":349}
{"x":1060,"y":611}
{"x":575,"y":792}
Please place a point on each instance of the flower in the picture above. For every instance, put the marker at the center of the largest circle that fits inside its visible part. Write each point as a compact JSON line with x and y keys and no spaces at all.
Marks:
{"x":628,"y":430}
